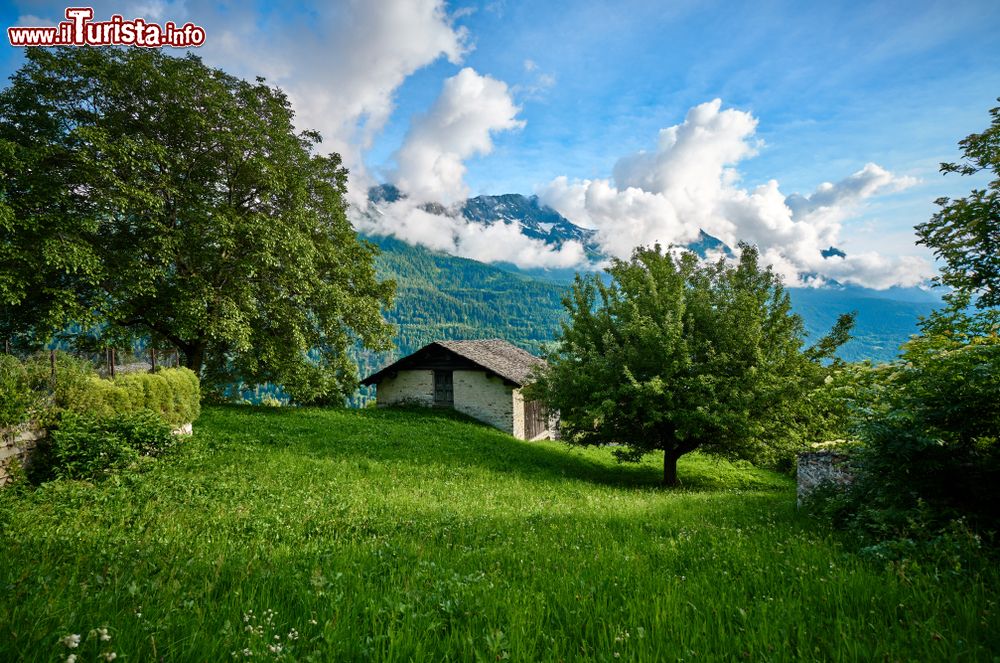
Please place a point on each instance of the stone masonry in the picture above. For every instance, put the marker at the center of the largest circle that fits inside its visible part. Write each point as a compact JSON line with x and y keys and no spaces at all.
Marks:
{"x":16,"y":445}
{"x":416,"y":387}
{"x":817,"y":467}
{"x":484,"y":398}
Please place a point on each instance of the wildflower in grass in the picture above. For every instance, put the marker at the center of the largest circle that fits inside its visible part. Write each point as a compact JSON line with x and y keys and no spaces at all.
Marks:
{"x":110,"y":656}
{"x":293,"y":635}
{"x":103,"y":633}
{"x":71,"y":641}
{"x":71,"y":658}
{"x":275,"y":648}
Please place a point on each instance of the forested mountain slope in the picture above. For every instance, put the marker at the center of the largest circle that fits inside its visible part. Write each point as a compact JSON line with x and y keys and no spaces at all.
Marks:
{"x":443,"y":297}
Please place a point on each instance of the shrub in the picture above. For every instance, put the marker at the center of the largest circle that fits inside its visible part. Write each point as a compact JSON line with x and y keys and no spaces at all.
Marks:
{"x":144,"y":431}
{"x":173,"y":393}
{"x":63,"y":388}
{"x":84,"y":446}
{"x":16,"y":397}
{"x":931,"y":434}
{"x":101,"y":398}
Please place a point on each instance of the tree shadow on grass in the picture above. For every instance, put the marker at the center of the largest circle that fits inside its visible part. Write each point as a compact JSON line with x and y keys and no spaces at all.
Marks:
{"x":426,"y":436}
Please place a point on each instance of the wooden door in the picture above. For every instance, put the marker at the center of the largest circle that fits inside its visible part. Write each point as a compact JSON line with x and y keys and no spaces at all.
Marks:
{"x":444,"y":389}
{"x":535,"y":419}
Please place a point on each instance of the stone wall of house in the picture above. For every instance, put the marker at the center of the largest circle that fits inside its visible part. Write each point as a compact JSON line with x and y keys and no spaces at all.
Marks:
{"x":484,"y":398}
{"x":816,"y":467}
{"x":416,"y":387}
{"x":518,"y":418}
{"x":16,"y":445}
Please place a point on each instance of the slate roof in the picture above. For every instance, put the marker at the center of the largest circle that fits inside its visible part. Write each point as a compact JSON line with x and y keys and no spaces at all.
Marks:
{"x":495,"y":355}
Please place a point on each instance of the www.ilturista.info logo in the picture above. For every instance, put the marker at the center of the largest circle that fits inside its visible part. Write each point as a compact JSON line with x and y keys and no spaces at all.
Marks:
{"x":80,"y":30}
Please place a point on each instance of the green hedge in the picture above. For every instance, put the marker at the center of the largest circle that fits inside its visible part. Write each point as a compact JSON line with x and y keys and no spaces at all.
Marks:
{"x":30,"y":390}
{"x":173,"y":393}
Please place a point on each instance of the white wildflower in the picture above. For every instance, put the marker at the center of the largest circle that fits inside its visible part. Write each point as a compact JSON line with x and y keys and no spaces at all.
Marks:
{"x":103,"y":632}
{"x":110,"y":656}
{"x":71,"y":641}
{"x":71,"y":658}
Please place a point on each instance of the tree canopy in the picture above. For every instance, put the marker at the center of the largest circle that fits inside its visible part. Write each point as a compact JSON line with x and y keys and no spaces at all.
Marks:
{"x":965,"y":232}
{"x":674,"y":355}
{"x":157,"y":197}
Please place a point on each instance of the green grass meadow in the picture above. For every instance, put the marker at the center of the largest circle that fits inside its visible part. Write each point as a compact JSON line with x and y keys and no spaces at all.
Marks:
{"x":341,"y":535}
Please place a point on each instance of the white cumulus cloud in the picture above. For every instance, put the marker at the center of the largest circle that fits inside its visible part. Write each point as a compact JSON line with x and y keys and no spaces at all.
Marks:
{"x":690,"y":182}
{"x":340,"y":63}
{"x":460,"y":124}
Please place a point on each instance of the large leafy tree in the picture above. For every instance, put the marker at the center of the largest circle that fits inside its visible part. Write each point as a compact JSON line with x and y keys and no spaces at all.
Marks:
{"x":673,"y":355}
{"x":157,"y":197}
{"x":965,"y":232}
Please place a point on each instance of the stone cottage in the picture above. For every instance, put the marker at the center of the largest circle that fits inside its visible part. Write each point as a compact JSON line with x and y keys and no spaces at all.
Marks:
{"x":482,"y":379}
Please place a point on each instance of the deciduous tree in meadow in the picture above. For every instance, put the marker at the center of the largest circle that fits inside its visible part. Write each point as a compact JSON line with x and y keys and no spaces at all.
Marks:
{"x":674,"y":355}
{"x":158,"y":197}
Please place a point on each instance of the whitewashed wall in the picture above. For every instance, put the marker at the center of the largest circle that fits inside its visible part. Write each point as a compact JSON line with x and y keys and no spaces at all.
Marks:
{"x":487,"y":399}
{"x":416,"y":387}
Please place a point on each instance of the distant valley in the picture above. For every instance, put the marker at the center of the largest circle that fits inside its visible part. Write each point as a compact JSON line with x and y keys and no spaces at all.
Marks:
{"x":441,"y":296}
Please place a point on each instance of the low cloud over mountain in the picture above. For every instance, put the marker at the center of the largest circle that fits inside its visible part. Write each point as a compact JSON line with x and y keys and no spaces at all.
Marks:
{"x":689,"y":183}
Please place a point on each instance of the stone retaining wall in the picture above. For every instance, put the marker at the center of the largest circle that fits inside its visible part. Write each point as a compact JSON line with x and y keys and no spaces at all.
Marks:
{"x":816,"y":467}
{"x":16,"y":445}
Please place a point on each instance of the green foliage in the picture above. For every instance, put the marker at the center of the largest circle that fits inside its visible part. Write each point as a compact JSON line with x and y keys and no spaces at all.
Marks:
{"x":931,"y":424}
{"x":16,"y":398}
{"x":404,"y":535}
{"x":87,"y":446}
{"x":101,"y":398}
{"x":74,"y":386}
{"x":83,"y":447}
{"x":208,"y":223}
{"x":931,"y":432}
{"x":965,"y":233}
{"x":172,"y":393}
{"x":66,"y":385}
{"x":675,"y":356}
{"x":146,"y":432}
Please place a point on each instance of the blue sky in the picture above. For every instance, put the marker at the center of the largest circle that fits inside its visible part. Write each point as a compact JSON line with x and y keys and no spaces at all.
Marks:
{"x":830,"y":88}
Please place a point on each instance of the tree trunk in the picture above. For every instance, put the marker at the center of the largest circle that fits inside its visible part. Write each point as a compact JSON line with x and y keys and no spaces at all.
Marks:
{"x":194,"y":356}
{"x":670,"y":468}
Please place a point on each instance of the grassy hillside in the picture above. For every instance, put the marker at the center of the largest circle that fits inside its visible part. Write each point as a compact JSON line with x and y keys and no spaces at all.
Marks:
{"x":401,"y":535}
